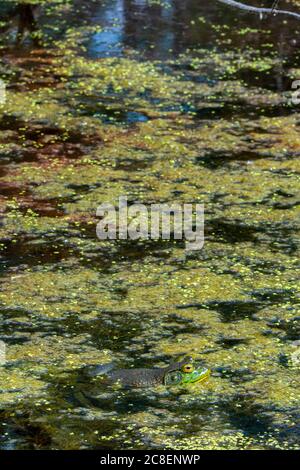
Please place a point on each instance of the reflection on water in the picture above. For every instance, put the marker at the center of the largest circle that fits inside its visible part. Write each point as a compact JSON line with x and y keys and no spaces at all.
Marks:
{"x":109,"y":42}
{"x":161,"y":30}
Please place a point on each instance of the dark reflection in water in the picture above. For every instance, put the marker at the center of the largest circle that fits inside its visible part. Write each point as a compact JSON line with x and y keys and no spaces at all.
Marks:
{"x":159,"y":31}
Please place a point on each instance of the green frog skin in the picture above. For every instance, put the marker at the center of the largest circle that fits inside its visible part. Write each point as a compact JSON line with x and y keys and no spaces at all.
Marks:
{"x":178,"y":373}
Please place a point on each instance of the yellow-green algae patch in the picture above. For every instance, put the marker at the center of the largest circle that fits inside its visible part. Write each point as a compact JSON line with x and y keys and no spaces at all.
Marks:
{"x":17,"y":386}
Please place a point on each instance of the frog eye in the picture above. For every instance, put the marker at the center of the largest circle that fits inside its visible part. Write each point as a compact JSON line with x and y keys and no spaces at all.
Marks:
{"x":173,"y":378}
{"x":188,"y":368}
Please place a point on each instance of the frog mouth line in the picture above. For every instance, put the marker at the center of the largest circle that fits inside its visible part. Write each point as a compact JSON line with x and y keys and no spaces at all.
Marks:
{"x":202,"y":377}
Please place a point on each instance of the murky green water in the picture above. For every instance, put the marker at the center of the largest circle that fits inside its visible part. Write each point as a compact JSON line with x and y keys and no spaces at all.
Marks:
{"x":162,"y":101}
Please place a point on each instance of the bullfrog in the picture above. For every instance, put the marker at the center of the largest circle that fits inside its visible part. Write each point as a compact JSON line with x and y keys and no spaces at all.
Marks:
{"x":178,"y":373}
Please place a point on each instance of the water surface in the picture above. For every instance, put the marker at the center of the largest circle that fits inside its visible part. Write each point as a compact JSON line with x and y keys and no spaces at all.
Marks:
{"x":161,"y":101}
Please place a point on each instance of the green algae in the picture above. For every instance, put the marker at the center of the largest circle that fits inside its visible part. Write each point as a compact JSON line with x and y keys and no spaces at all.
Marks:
{"x":69,"y":300}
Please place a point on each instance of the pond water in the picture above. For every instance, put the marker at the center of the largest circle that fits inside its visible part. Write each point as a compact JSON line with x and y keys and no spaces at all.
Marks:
{"x":175,"y":101}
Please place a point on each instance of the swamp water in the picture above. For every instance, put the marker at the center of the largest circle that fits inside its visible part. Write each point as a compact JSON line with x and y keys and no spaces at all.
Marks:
{"x":163,"y":101}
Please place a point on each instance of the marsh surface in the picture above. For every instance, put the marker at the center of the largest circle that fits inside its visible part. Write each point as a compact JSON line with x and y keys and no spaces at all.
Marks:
{"x":162,"y":101}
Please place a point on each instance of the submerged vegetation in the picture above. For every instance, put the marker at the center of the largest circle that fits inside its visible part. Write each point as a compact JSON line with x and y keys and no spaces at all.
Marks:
{"x":196,"y":108}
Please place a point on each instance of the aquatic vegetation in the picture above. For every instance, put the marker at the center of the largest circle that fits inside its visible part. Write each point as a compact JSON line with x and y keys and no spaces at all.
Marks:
{"x":210,"y":123}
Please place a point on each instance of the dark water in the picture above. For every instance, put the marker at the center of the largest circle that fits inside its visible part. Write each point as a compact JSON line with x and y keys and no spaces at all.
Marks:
{"x":162,"y":32}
